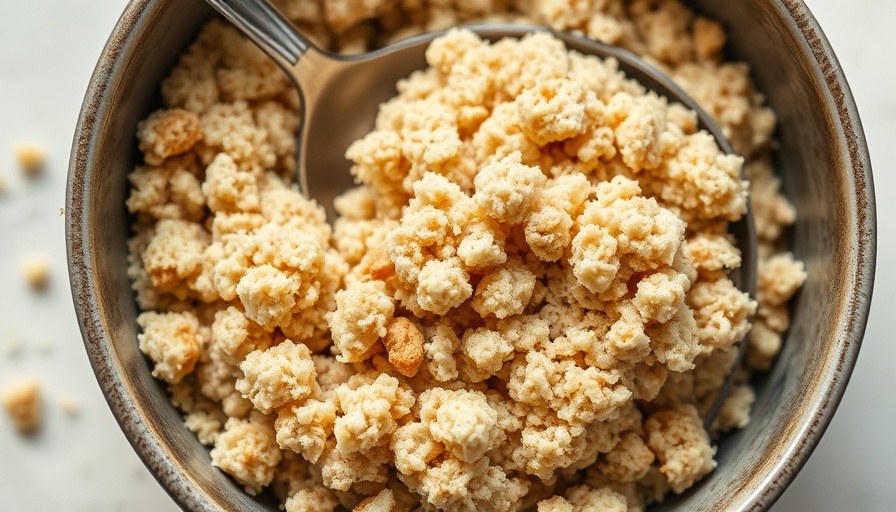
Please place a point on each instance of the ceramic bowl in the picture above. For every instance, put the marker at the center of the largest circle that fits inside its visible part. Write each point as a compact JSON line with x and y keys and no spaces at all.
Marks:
{"x":823,"y":162}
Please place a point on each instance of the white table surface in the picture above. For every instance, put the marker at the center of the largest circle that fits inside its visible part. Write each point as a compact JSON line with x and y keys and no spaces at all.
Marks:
{"x":84,"y":463}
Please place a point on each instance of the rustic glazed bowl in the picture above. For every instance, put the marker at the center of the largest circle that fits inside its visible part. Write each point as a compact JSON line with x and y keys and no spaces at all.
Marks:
{"x":823,"y":161}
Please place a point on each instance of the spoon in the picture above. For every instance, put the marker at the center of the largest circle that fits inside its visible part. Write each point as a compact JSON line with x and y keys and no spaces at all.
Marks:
{"x":340,"y":97}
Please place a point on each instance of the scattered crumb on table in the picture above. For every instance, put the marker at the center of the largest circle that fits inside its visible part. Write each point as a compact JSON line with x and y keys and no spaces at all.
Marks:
{"x":70,"y":405}
{"x":22,"y":400}
{"x":37,"y":271}
{"x":31,"y":157}
{"x":11,"y":344}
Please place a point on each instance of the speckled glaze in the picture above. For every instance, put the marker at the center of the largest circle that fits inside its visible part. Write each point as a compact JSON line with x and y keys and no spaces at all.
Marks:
{"x":823,"y":161}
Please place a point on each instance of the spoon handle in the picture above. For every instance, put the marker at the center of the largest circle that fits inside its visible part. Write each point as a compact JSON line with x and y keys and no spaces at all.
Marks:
{"x":267,"y":27}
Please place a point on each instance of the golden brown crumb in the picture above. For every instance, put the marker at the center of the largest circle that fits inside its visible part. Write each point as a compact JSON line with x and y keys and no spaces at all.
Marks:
{"x":382,"y":502}
{"x":404,"y":345}
{"x":22,"y":400}
{"x":377,"y":264}
{"x":709,"y":37}
{"x":31,"y":157}
{"x":37,"y":272}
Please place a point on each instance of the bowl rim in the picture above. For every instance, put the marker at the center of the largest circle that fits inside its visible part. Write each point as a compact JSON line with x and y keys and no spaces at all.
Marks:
{"x":145,"y":439}
{"x":175,"y":478}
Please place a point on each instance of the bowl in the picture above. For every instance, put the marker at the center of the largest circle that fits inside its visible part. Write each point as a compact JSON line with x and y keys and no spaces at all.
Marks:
{"x":823,"y":163}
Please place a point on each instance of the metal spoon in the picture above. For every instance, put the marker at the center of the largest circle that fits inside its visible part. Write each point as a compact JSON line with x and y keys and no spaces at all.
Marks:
{"x":341,"y":95}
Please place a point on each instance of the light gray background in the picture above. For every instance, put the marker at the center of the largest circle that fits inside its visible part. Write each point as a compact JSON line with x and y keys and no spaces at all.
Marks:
{"x":84,"y":463}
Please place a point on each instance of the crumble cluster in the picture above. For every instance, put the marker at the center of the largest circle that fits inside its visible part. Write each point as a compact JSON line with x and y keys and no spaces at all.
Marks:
{"x":524,"y":303}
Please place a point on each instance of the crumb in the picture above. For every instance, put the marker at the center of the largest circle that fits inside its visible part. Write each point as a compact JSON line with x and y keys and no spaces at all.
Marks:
{"x":681,"y":445}
{"x":248,"y":451}
{"x":363,"y":427}
{"x":278,"y":376}
{"x":70,"y":405}
{"x":172,"y":341}
{"x":31,"y":157}
{"x":12,"y":344}
{"x":363,"y":311}
{"x":168,"y":133}
{"x":37,"y":272}
{"x":3,"y":185}
{"x":22,"y":401}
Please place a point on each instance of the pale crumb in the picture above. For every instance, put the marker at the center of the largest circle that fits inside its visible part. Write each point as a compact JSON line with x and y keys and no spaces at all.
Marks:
{"x":312,"y":499}
{"x":168,"y":133}
{"x":681,"y":445}
{"x":70,"y":405}
{"x":46,"y":347}
{"x":172,"y":341}
{"x":61,"y":212}
{"x":37,"y":272}
{"x":12,"y":344}
{"x":31,"y":157}
{"x":22,"y":400}
{"x":248,"y":451}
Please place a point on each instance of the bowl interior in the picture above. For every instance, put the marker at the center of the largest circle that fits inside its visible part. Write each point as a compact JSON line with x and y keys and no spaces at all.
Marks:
{"x":822,"y":160}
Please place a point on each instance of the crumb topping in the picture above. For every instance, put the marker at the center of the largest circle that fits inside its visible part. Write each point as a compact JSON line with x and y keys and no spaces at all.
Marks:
{"x":529,"y":283}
